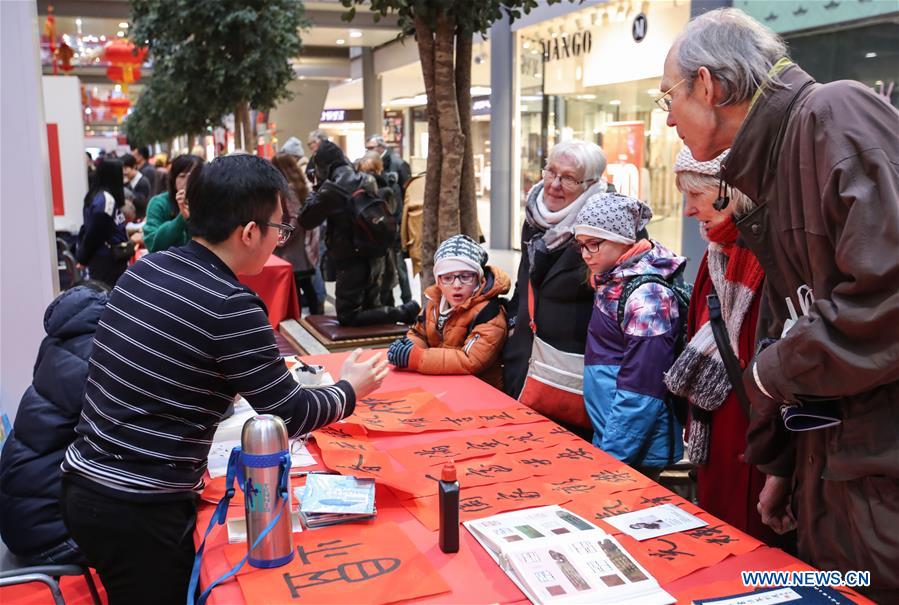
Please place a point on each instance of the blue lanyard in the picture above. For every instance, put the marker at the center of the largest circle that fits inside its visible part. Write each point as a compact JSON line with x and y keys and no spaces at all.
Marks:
{"x":235,"y":472}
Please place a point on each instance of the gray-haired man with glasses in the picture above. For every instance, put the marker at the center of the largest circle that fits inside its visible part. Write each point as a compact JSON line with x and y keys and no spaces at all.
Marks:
{"x":819,"y":162}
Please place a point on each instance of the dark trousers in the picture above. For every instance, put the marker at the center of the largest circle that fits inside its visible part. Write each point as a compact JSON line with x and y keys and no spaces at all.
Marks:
{"x":358,"y":293}
{"x":143,"y":551}
{"x":306,"y":292}
{"x":395,"y":271}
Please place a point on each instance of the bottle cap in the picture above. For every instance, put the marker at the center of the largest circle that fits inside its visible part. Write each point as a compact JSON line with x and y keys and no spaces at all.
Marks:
{"x":449,"y":472}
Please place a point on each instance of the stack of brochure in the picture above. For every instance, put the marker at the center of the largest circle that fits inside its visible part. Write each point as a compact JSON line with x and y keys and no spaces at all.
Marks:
{"x":555,"y":556}
{"x":332,"y":499}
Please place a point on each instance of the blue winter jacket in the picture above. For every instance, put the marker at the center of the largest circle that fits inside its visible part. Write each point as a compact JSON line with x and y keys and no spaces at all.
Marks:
{"x":623,"y":389}
{"x":30,"y":517}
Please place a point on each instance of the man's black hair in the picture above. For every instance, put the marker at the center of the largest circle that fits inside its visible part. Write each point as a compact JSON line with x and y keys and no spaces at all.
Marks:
{"x":230,"y":192}
{"x":128,"y":161}
{"x":143,"y":150}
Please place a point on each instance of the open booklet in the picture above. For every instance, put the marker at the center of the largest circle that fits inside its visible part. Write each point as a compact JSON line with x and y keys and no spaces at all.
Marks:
{"x":555,"y":556}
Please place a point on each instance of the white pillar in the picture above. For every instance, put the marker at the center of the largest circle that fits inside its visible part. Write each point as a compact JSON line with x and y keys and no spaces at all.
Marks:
{"x":28,"y":278}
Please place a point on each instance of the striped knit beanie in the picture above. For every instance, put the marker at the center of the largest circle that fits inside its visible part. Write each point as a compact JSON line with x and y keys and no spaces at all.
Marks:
{"x":459,"y":253}
{"x":612,"y":216}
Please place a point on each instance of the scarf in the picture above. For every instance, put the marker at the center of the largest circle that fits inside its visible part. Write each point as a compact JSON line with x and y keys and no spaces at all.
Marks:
{"x":554,"y":229}
{"x":699,"y":374}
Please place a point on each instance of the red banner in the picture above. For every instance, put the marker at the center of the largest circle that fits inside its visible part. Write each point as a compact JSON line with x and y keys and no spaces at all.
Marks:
{"x":59,"y":206}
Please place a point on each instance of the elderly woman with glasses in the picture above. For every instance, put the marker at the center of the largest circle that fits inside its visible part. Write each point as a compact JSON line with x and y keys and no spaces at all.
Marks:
{"x":551,"y":307}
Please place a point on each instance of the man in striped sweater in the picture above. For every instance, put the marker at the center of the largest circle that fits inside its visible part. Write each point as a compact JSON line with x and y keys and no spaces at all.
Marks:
{"x":180,"y":337}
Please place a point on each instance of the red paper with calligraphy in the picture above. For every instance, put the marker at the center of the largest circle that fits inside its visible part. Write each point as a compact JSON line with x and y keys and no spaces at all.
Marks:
{"x":486,"y":500}
{"x":417,"y":411}
{"x":343,"y":564}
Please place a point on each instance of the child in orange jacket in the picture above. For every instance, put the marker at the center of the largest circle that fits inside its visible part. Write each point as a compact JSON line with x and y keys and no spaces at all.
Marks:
{"x":463,"y":326}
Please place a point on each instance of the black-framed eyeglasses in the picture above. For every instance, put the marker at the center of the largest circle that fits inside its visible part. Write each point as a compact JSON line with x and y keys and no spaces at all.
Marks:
{"x":466,"y":278}
{"x":592,"y":246}
{"x":567,"y":181}
{"x":284,"y":232}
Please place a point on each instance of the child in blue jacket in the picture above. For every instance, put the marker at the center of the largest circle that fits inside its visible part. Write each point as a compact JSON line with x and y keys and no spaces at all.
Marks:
{"x":624,"y":391}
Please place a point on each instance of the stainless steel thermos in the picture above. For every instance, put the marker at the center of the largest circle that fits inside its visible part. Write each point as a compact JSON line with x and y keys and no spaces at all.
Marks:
{"x":265,"y":450}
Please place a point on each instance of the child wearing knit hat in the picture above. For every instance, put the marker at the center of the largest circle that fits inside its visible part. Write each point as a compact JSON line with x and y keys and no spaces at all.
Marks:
{"x":627,"y":353}
{"x":463,"y":326}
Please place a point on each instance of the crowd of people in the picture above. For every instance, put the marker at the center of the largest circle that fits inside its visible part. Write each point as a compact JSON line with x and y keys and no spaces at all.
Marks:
{"x":775,"y":374}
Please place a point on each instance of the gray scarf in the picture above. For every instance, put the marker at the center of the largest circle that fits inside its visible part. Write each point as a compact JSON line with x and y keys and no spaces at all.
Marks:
{"x":554,"y":229}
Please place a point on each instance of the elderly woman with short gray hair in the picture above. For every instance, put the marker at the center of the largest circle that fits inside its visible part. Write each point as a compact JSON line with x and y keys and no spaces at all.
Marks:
{"x":552,"y":299}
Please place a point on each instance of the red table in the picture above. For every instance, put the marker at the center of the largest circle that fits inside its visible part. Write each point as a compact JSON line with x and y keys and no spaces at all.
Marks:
{"x":277,"y":289}
{"x":472,"y":574}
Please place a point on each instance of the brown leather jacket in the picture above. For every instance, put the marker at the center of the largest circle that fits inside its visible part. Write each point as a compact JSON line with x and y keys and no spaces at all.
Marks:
{"x":462,"y":348}
{"x":822,"y":164}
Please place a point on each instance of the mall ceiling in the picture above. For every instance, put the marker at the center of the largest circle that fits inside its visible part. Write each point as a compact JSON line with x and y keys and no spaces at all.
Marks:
{"x":329,"y":37}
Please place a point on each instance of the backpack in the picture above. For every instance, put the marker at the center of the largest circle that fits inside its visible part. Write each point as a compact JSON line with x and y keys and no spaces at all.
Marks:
{"x":682,"y":291}
{"x":374,"y":227}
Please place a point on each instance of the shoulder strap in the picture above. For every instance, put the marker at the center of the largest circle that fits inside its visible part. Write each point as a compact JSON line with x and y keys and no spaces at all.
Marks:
{"x":221,"y":514}
{"x":722,"y":341}
{"x":533,"y":324}
{"x":490,"y":310}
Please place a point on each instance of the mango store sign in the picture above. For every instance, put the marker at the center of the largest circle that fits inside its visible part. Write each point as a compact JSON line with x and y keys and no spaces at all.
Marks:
{"x":619,"y":51}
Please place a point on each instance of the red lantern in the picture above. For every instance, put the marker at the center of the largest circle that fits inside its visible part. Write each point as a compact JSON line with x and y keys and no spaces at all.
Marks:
{"x":119,"y":107}
{"x":124,"y":64}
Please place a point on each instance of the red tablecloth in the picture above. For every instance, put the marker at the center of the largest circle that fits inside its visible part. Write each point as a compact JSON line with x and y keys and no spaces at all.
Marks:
{"x":276,"y":287}
{"x":472,"y":574}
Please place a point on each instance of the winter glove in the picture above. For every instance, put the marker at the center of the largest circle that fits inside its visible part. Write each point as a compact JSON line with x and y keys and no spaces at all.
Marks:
{"x":399,"y":351}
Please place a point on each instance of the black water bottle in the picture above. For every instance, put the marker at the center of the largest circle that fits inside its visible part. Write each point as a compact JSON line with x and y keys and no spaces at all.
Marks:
{"x":448,"y":499}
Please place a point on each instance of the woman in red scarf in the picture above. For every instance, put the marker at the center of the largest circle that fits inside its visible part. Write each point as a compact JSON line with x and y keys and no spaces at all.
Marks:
{"x":727,"y":487}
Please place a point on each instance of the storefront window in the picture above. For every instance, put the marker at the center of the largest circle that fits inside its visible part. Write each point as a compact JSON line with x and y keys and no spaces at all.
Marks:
{"x":868,"y":54}
{"x":579,"y":79}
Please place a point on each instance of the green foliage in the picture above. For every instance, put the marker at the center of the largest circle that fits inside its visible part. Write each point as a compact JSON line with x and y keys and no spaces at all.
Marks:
{"x":473,"y":16}
{"x":208,"y":57}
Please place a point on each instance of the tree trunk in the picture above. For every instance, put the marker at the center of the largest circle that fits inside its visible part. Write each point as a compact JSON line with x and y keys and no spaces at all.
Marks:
{"x":425,"y":38}
{"x":468,"y":201}
{"x":242,"y":130}
{"x":238,"y":128}
{"x":451,"y":139}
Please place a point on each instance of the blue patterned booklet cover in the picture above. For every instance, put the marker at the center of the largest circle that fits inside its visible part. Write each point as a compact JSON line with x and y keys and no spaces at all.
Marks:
{"x":795,"y":595}
{"x":329,"y":499}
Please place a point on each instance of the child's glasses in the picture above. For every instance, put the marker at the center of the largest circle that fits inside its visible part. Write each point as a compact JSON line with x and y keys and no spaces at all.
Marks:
{"x":592,"y":246}
{"x":466,"y":279}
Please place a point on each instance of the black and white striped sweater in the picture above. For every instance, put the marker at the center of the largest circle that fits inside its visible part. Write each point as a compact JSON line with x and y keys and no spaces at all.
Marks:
{"x":180,"y":337}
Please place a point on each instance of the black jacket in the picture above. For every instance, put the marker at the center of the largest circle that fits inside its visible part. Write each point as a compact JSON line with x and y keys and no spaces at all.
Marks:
{"x":30,"y":519}
{"x":394,"y":163}
{"x":330,"y":201}
{"x":563,"y":303}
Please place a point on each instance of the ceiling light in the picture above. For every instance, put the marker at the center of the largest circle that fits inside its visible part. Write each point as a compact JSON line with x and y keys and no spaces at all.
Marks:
{"x":123,"y":25}
{"x":354,"y":33}
{"x":102,"y":38}
{"x":120,"y":34}
{"x":615,"y":102}
{"x":870,"y":55}
{"x":341,"y":41}
{"x":78,"y":21}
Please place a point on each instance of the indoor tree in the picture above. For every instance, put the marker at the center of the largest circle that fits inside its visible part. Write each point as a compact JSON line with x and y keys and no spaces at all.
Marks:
{"x":444,"y":30}
{"x":212,"y":58}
